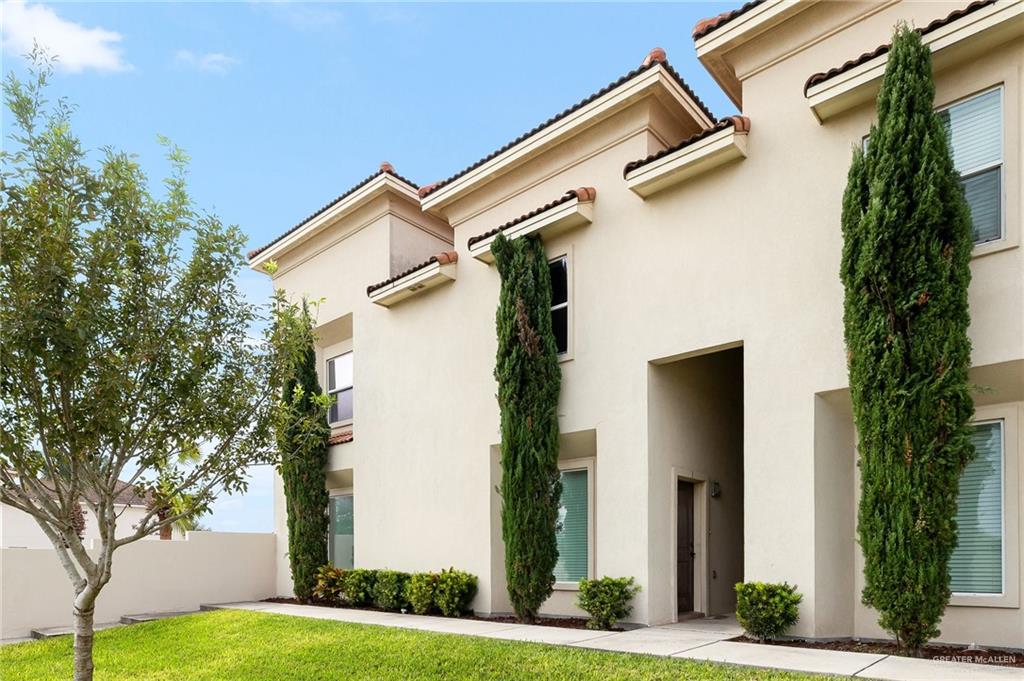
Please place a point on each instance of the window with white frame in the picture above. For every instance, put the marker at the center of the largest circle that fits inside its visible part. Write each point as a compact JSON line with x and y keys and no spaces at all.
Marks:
{"x":573,"y":527}
{"x":559,"y":269}
{"x":341,"y":548}
{"x":339,"y":387}
{"x":975,"y":127}
{"x":976,"y":566}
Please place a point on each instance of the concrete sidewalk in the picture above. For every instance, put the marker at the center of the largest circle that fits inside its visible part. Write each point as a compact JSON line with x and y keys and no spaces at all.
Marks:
{"x":703,"y":639}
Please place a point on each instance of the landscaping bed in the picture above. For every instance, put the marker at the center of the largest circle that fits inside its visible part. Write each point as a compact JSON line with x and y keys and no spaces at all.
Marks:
{"x":944,"y":653}
{"x":563,"y":622}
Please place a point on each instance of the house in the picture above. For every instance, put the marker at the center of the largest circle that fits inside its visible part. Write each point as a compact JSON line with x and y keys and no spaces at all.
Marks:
{"x":20,"y":530}
{"x":706,"y":428}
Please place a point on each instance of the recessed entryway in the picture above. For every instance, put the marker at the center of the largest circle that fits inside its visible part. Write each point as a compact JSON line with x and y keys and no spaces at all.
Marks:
{"x":685,"y":552}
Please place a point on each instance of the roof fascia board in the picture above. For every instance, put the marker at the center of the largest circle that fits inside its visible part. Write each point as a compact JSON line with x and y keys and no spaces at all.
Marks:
{"x":560,"y":218}
{"x":690,"y":161}
{"x":861,"y":83}
{"x":422,"y":279}
{"x":380,"y":185}
{"x":560,"y":130}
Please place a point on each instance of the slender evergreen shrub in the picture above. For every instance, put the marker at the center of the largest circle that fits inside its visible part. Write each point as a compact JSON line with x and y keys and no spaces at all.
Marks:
{"x":302,"y":449}
{"x":767,"y":610}
{"x":529,"y":381}
{"x":607,"y":600}
{"x":454,"y":592}
{"x":389,"y":589}
{"x":905,"y":271}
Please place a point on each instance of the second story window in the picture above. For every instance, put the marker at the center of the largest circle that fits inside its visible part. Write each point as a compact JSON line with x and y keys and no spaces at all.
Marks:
{"x":559,"y":268}
{"x":975,"y":128}
{"x":339,"y":386}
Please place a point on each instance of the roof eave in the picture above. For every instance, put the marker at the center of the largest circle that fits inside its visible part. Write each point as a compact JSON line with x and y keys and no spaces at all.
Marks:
{"x":712,"y":47}
{"x":382,"y":184}
{"x":561,"y":130}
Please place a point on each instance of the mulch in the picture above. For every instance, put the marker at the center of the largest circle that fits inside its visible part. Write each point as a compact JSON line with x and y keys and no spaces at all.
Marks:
{"x":945,"y":653}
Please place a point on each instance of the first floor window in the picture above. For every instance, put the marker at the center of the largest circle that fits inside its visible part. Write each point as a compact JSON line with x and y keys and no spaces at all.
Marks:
{"x":975,"y":128}
{"x":339,"y":387}
{"x":977,"y":563}
{"x":559,"y":269}
{"x":573,"y":528}
{"x":341,"y":548}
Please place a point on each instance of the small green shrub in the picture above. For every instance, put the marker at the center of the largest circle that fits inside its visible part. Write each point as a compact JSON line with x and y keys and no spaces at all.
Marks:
{"x":767,"y":610}
{"x":607,"y":600}
{"x":330,"y":584}
{"x":454,"y":592}
{"x":419,"y":592}
{"x":389,"y":589}
{"x":359,"y":587}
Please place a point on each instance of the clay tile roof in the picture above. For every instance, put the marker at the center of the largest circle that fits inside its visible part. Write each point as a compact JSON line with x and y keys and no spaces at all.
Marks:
{"x":655,"y":57}
{"x":340,"y":438}
{"x":583,"y":194}
{"x":445,"y":258}
{"x":740,"y":123}
{"x":882,"y":49}
{"x":385,"y":167}
{"x":706,"y":26}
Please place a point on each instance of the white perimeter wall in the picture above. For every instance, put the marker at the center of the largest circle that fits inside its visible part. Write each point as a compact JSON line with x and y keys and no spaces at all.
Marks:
{"x":149,"y":576}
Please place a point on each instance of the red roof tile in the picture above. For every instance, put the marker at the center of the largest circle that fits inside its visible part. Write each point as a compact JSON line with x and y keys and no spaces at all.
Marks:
{"x":385,"y":167}
{"x":706,"y":26}
{"x":444,"y":258}
{"x":882,"y":49}
{"x":340,"y":438}
{"x":583,"y":194}
{"x":655,"y":57}
{"x":741,"y":123}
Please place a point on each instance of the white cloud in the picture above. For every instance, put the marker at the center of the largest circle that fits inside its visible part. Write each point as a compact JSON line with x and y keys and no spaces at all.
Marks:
{"x":302,"y":16}
{"x":76,"y":47}
{"x":211,"y":62}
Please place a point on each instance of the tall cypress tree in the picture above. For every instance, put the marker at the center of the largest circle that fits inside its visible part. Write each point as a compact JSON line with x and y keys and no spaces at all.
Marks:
{"x":529,"y":381}
{"x":905,"y":270}
{"x":302,"y":445}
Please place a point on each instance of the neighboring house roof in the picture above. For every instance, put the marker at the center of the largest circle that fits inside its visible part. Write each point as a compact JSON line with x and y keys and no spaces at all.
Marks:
{"x":882,"y":49}
{"x":124,"y":494}
{"x":384,"y":168}
{"x":656,"y":56}
{"x":583,"y":194}
{"x":444,"y":258}
{"x":340,"y":438}
{"x":706,"y":26}
{"x":741,"y":123}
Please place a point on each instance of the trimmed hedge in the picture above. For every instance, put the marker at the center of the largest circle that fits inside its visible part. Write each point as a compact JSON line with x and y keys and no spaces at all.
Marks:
{"x":767,"y":610}
{"x":607,"y":600}
{"x":449,"y":592}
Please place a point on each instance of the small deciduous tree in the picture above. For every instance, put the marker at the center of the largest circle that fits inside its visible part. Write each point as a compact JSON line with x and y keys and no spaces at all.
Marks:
{"x":125,"y":347}
{"x":529,"y":381}
{"x":302,"y":443}
{"x":905,"y":269}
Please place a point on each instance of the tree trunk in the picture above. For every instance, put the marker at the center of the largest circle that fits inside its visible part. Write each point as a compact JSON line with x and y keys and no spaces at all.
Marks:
{"x":84,"y":609}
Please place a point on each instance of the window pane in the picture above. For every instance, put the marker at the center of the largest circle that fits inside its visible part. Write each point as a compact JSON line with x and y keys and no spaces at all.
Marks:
{"x":975,"y":131}
{"x":559,"y":281}
{"x":572,"y":531}
{"x":343,"y":371}
{"x":977,"y":563}
{"x":341,"y":547}
{"x":341,"y":410}
{"x":331,"y":378}
{"x":983,"y":192}
{"x":560,"y":327}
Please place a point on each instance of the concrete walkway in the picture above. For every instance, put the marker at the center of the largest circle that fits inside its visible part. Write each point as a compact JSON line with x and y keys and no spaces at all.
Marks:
{"x":702,"y":639}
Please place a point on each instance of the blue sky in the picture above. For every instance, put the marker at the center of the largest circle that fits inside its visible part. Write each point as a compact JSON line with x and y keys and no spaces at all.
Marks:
{"x":283,"y":106}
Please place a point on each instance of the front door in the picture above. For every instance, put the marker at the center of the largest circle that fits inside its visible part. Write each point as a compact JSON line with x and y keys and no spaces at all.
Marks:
{"x":684,"y":548}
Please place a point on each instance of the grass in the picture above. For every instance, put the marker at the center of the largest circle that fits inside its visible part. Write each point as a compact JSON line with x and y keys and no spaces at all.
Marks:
{"x":227,"y":645}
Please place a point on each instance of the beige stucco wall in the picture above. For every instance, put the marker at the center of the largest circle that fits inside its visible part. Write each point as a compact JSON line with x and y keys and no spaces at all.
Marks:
{"x":149,"y":576}
{"x":746,"y":254}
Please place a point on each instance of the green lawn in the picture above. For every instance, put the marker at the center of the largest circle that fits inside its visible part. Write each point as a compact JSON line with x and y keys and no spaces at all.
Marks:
{"x":227,"y":645}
